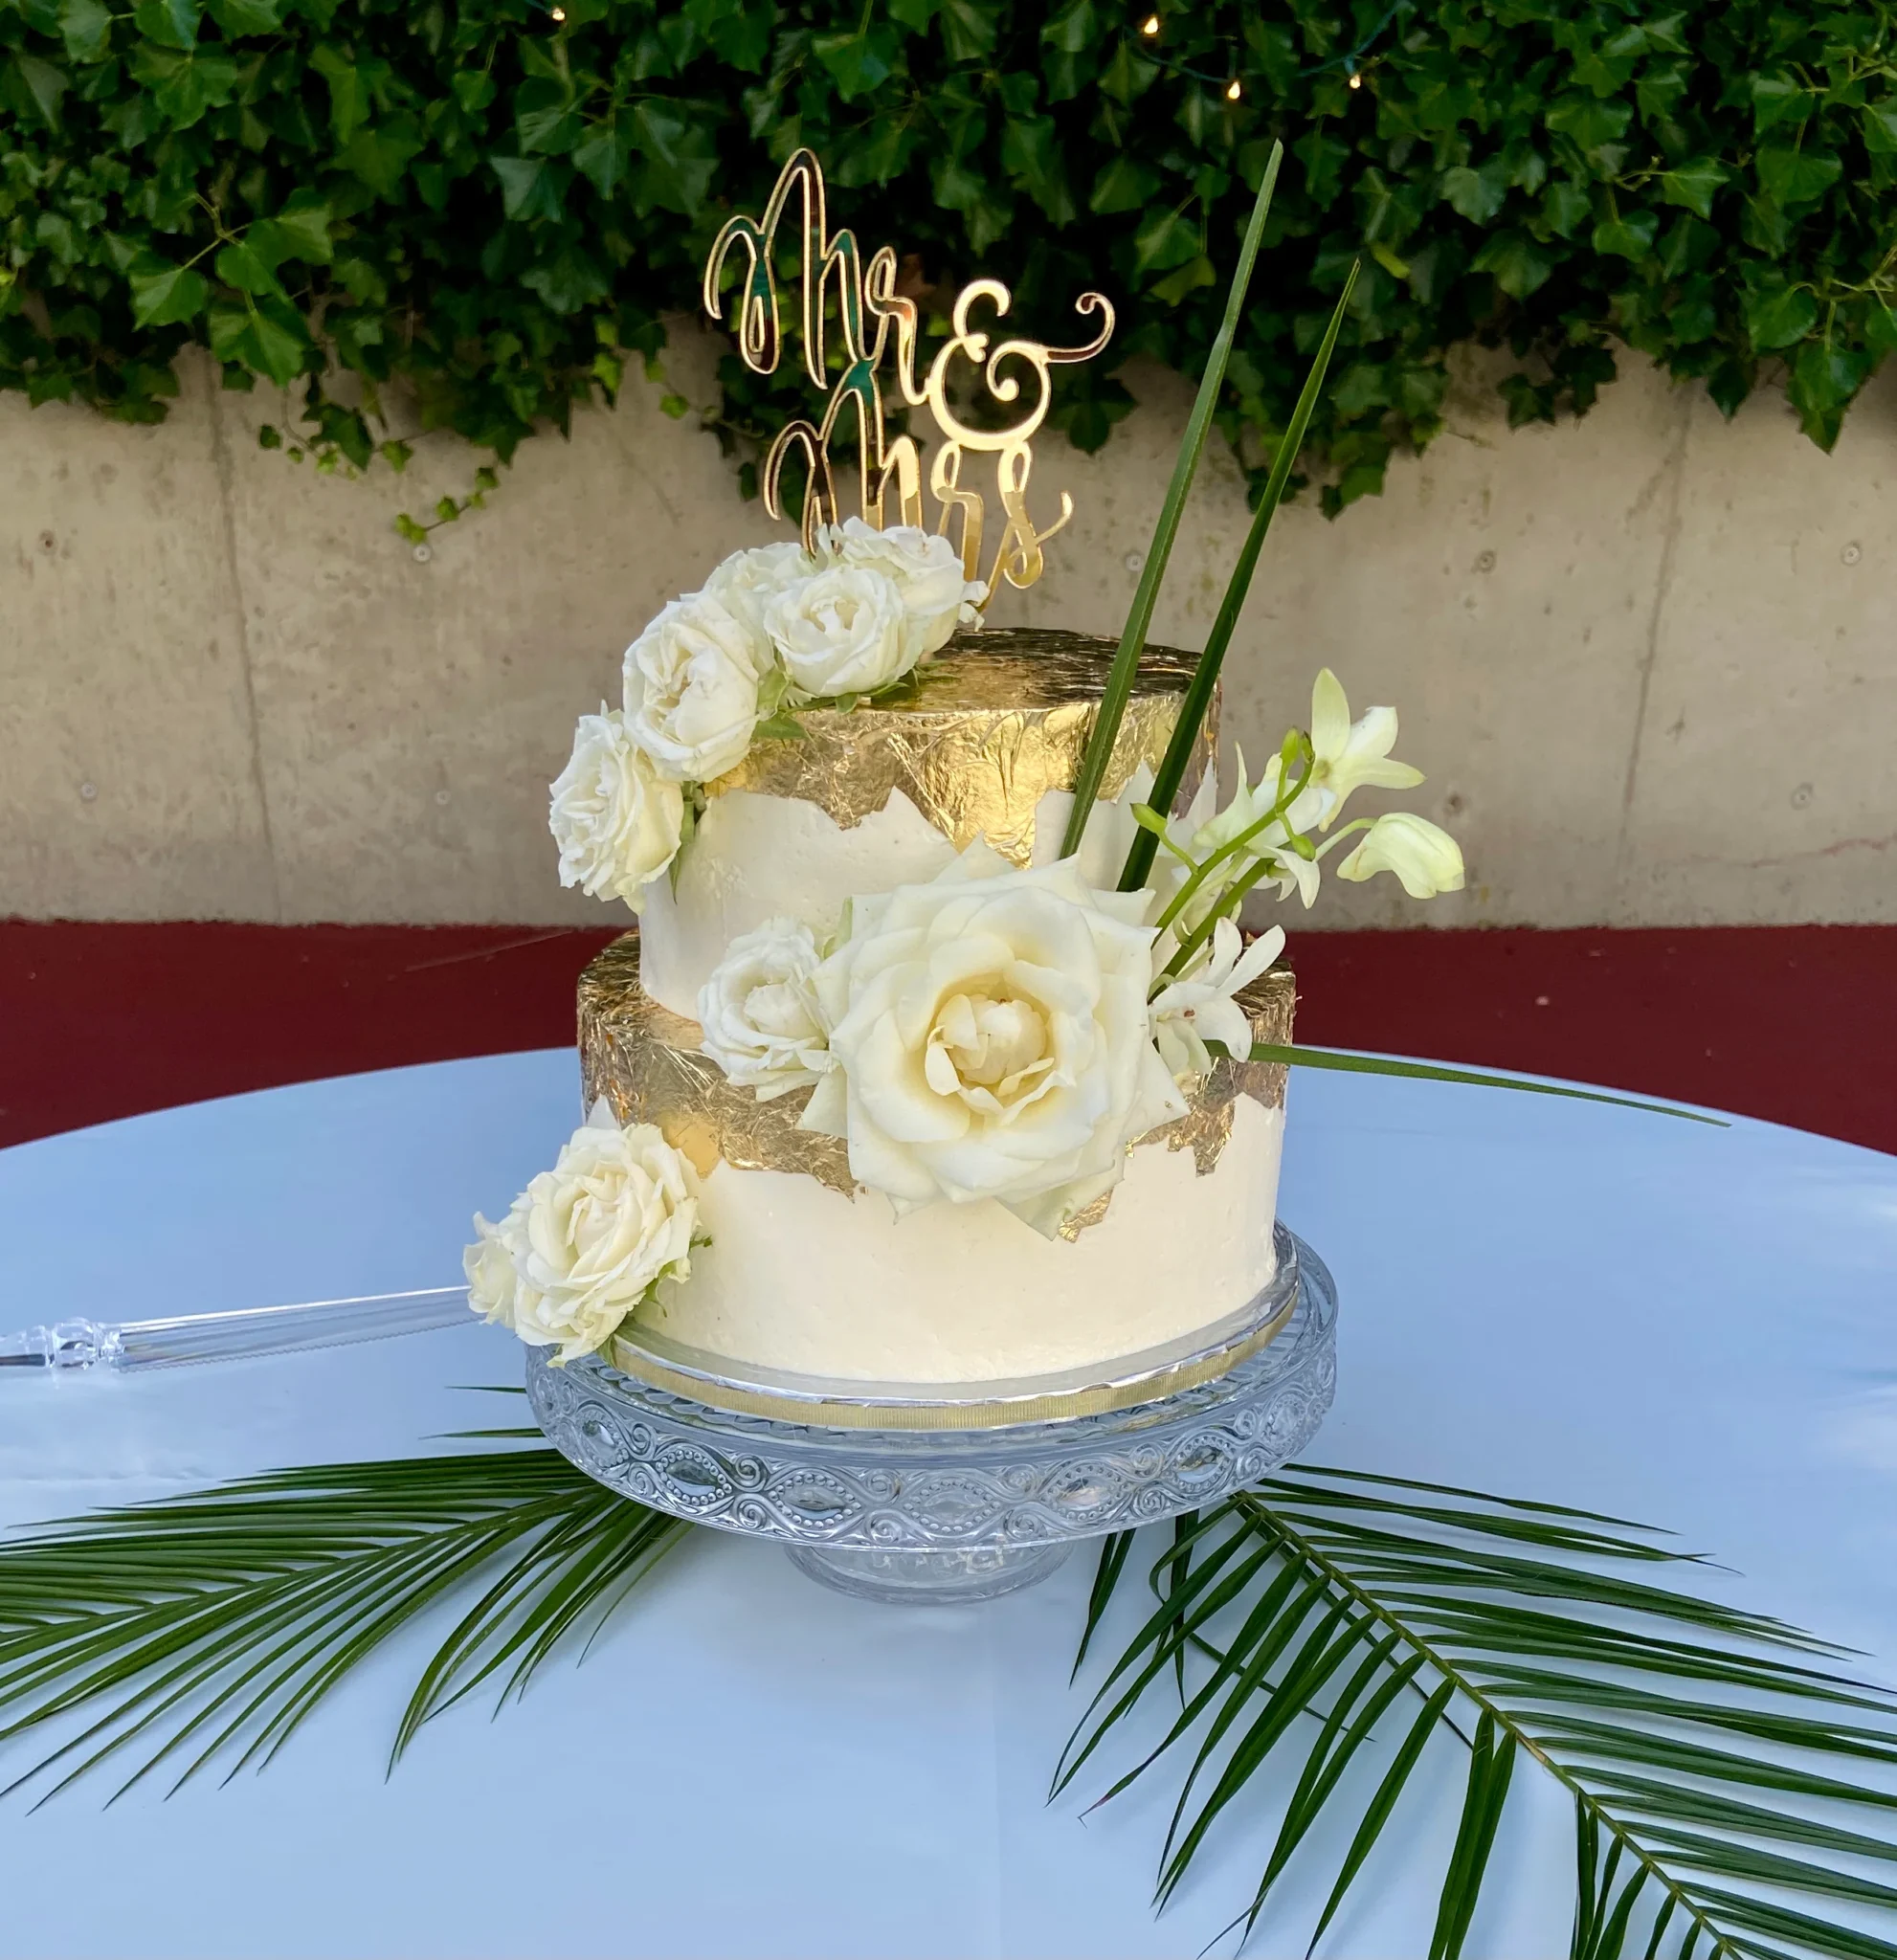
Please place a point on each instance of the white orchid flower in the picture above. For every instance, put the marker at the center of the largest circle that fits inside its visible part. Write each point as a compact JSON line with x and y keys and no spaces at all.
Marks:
{"x":1352,"y":755}
{"x":1287,"y":869}
{"x":1425,"y":857}
{"x":1199,"y":1007}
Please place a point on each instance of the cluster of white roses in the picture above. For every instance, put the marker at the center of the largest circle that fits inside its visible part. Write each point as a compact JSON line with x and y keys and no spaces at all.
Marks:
{"x":773,"y":629}
{"x":1007,"y":1033}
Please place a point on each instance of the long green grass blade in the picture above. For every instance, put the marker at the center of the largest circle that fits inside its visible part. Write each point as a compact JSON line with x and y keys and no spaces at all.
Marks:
{"x":1196,"y":702}
{"x":1347,"y":1063}
{"x":1119,"y":688}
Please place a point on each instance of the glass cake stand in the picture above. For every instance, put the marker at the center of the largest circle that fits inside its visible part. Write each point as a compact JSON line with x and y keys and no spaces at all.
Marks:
{"x":942,"y":1493}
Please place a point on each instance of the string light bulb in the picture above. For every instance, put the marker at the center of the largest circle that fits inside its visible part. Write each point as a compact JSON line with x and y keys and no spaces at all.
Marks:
{"x":557,"y":13}
{"x":1232,"y":90}
{"x":1150,"y":25}
{"x":1356,"y":81}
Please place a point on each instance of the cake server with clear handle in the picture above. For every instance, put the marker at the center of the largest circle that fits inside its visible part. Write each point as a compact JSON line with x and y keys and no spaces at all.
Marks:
{"x":77,"y":1347}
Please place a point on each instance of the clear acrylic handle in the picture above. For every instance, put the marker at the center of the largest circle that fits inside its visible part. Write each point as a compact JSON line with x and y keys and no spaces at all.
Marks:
{"x":73,"y":1346}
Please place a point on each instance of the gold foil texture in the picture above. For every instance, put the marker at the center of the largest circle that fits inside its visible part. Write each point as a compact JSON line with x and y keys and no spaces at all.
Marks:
{"x":978,"y":736}
{"x":647,"y":1063}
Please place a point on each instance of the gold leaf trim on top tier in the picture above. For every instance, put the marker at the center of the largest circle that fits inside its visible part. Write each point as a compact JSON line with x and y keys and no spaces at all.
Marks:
{"x":977,"y":737}
{"x":647,"y":1063}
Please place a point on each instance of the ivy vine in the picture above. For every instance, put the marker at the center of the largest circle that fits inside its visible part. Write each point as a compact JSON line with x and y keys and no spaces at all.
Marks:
{"x":473,"y":214}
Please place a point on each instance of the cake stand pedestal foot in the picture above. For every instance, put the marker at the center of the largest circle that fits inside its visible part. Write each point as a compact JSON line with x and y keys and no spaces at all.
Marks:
{"x":927,"y":1578}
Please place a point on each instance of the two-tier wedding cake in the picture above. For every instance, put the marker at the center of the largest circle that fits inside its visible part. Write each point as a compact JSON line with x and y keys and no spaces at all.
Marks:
{"x":910,"y":1075}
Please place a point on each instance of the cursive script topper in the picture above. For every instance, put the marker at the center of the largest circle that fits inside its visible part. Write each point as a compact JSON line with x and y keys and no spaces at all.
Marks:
{"x":869,"y":313}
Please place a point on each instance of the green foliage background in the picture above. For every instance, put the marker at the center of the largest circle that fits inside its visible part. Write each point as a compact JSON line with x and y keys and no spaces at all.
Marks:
{"x":487,"y":210}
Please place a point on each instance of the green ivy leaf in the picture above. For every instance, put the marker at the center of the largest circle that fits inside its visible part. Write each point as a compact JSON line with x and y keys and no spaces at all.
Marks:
{"x":529,"y":188}
{"x":301,"y":228}
{"x":244,"y":267}
{"x":1796,"y":176}
{"x":238,"y":18}
{"x":45,"y":83}
{"x":858,"y":62}
{"x":351,"y":88}
{"x":380,"y":157}
{"x":969,"y":28}
{"x":1031,"y":154}
{"x":184,"y":87}
{"x":1626,"y":237}
{"x":677,"y":157}
{"x":1476,"y":194}
{"x":1694,"y":184}
{"x":85,"y":26}
{"x":266,"y":334}
{"x":601,"y":156}
{"x":1778,"y":98}
{"x":172,"y":23}
{"x":165,"y":295}
{"x":1520,"y":266}
{"x":1777,"y":314}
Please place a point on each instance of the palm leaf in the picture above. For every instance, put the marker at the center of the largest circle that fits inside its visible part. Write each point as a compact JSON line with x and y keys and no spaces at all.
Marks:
{"x":1709,"y":1753}
{"x":209,"y":1627}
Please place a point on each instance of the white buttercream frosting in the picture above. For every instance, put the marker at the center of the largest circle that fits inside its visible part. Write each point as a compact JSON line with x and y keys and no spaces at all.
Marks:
{"x":756,"y":857}
{"x":801,"y":1277}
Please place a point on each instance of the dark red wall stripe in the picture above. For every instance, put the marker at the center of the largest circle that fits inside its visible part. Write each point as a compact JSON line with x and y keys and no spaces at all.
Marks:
{"x":1788,"y":1023}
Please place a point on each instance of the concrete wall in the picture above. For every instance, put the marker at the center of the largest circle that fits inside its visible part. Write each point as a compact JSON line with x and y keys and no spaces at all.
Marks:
{"x":1647,"y":659}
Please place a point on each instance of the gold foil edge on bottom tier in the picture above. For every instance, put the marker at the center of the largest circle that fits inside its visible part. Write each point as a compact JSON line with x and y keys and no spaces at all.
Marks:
{"x":647,"y":1063}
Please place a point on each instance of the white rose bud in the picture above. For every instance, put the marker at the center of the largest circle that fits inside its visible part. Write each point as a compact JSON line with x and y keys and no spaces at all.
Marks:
{"x":748,"y":581}
{"x":759,"y":1013}
{"x":691,"y":689}
{"x":926,"y":573}
{"x":587,"y":1240}
{"x":841,"y":630}
{"x":989,"y":1030}
{"x":617,"y":821}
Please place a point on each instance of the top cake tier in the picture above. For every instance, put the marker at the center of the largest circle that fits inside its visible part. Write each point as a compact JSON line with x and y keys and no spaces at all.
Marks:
{"x":985,"y":741}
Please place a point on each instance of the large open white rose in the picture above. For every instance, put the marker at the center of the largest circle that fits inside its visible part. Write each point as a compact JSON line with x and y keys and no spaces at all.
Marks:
{"x":926,"y":573}
{"x":841,"y":630}
{"x":586,"y":1240}
{"x":617,"y":821}
{"x":691,"y":689}
{"x":990,"y":1036}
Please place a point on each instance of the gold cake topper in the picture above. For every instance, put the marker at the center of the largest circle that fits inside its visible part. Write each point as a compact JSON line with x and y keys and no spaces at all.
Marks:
{"x":867,"y":306}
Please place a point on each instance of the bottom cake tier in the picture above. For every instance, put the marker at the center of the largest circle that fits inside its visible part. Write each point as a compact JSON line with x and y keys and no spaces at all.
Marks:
{"x":809,"y":1274}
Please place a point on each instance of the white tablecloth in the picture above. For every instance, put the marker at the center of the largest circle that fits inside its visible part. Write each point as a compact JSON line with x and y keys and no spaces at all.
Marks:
{"x":1690,"y":1326}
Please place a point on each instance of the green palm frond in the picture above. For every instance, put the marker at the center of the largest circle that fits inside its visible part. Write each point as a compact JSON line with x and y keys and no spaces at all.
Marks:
{"x":1327,"y":1611}
{"x":206,"y":1628}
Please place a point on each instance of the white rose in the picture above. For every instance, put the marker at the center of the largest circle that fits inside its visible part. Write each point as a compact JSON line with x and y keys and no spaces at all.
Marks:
{"x":617,"y":821}
{"x":1199,"y":1008}
{"x":840,"y":631}
{"x":748,"y":581}
{"x":691,"y":689}
{"x":586,"y":1240}
{"x":759,"y":1009}
{"x":926,"y":573}
{"x":989,"y":1030}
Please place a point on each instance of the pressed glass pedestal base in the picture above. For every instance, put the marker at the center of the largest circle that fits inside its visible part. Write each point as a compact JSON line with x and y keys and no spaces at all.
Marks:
{"x":977,"y":1506}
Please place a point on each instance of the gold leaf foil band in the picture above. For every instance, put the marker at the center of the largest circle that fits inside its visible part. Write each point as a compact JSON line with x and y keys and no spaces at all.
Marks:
{"x":647,"y":1063}
{"x":978,"y":736}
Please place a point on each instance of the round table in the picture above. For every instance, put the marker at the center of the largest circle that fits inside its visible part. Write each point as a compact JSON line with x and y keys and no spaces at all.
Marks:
{"x":1548,"y":1299}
